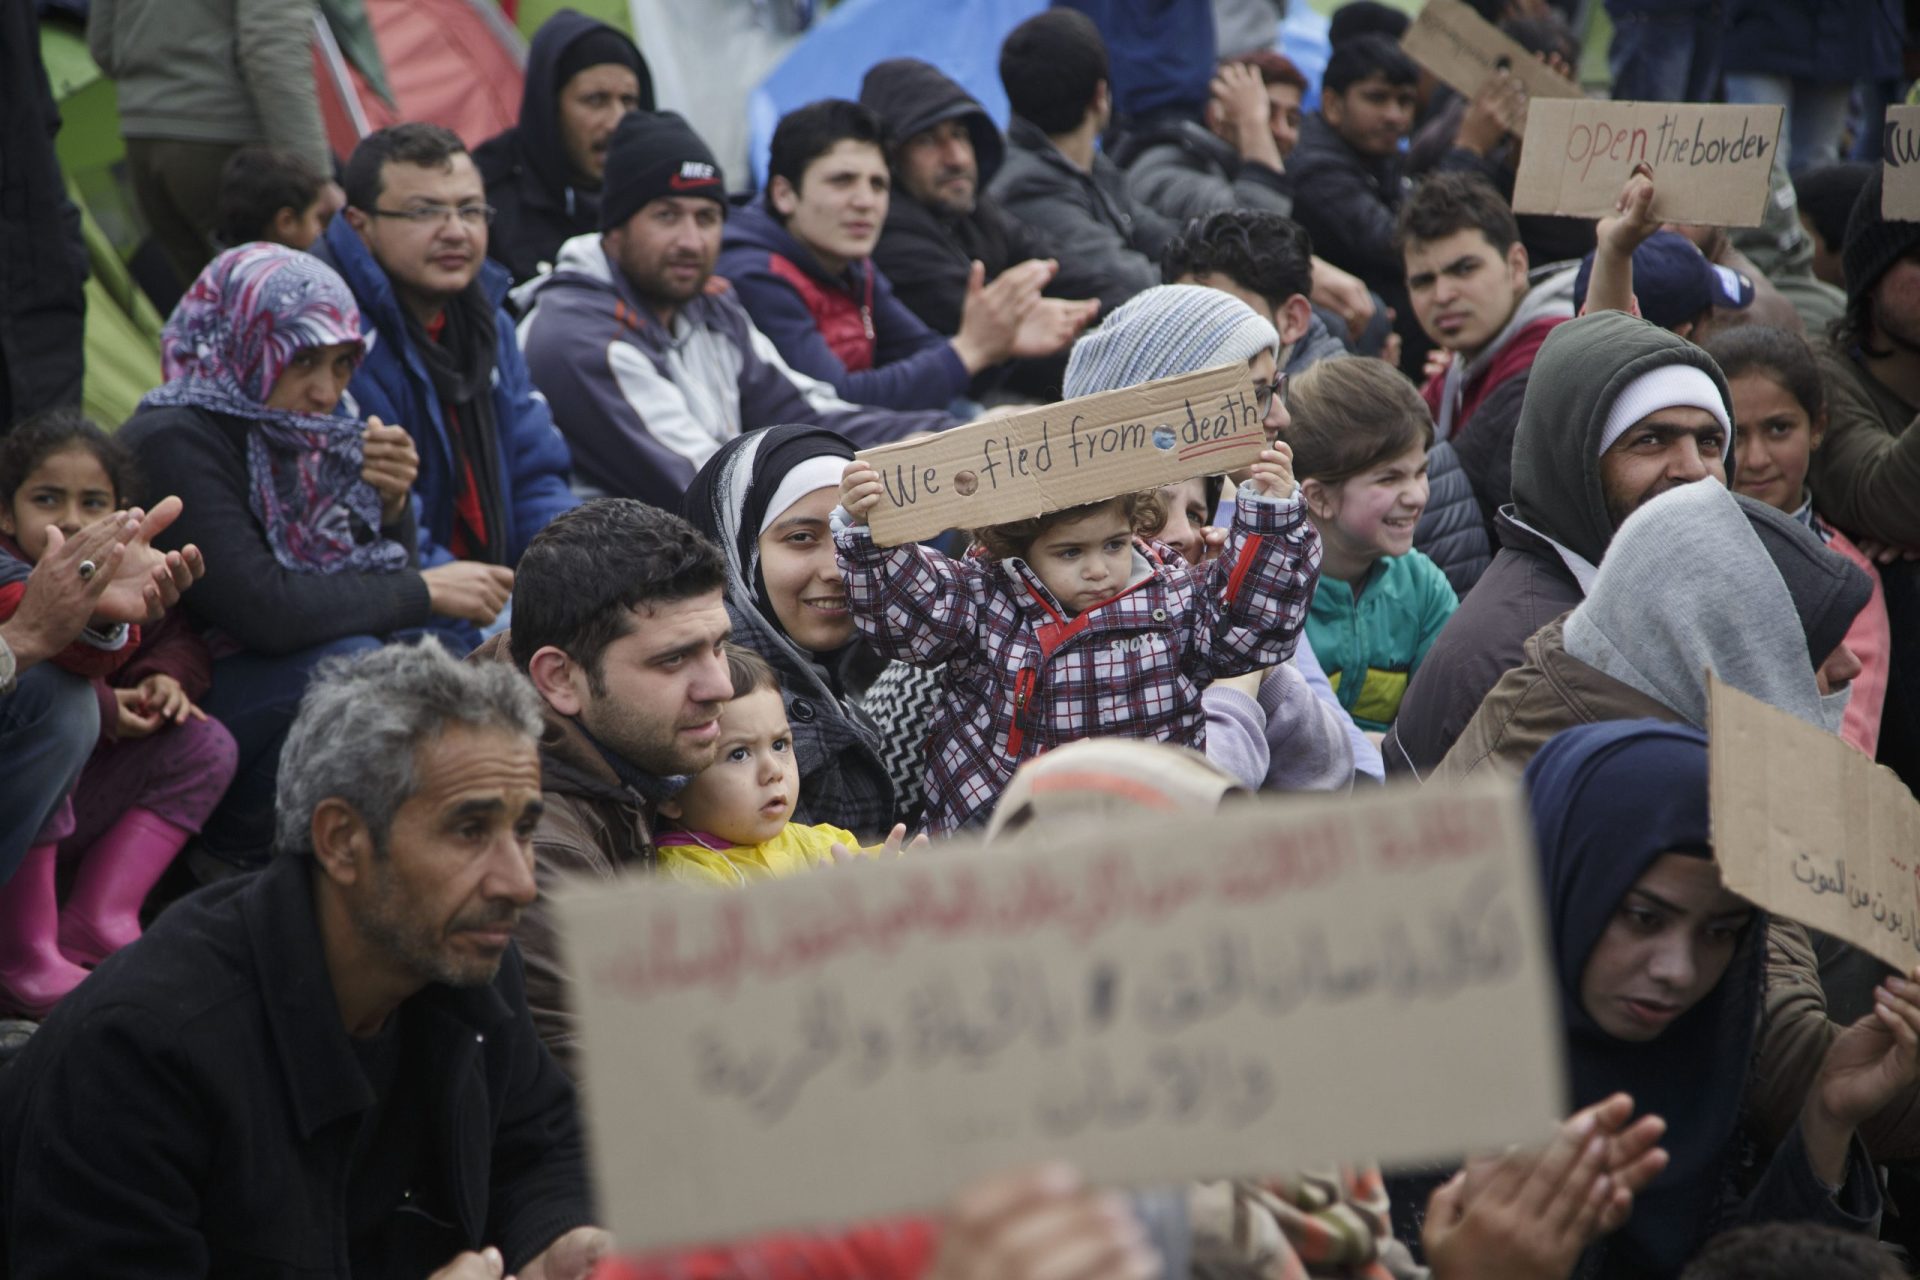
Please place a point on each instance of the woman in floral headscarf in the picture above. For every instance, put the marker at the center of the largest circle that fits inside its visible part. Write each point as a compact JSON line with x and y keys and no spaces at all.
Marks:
{"x":304,"y":516}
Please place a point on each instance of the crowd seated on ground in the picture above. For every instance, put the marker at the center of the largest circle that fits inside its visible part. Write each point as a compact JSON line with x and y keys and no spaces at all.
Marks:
{"x":504,"y":516}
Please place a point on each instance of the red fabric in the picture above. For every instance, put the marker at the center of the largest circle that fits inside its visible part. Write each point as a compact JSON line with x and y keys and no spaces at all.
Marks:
{"x":1514,"y":358}
{"x":80,"y":658}
{"x":1871,"y":639}
{"x":845,"y":326}
{"x":900,"y":1250}
{"x":469,"y":521}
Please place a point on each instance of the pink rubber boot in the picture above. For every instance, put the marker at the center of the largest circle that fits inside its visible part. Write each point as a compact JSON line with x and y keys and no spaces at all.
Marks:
{"x":116,"y":873}
{"x":33,"y":973}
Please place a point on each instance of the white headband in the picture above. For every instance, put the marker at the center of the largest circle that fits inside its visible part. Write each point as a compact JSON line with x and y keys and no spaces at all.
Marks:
{"x":819,"y":472}
{"x":1671,"y":386}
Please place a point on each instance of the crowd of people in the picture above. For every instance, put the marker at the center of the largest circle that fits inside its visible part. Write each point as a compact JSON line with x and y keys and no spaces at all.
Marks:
{"x":501,"y":518}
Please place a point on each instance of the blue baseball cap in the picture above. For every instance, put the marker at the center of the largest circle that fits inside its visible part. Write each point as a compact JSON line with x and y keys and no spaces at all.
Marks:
{"x":1674,"y":282}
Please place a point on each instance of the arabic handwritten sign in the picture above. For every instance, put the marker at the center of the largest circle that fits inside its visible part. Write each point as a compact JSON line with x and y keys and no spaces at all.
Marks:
{"x":1156,"y":999}
{"x":1900,"y":174}
{"x":1463,"y":49}
{"x":1808,"y":827}
{"x":1711,"y":164}
{"x":1062,"y":455}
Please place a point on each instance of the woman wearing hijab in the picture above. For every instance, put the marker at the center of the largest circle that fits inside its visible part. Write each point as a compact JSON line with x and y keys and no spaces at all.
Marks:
{"x":1662,"y":980}
{"x":305,"y":518}
{"x":765,"y":498}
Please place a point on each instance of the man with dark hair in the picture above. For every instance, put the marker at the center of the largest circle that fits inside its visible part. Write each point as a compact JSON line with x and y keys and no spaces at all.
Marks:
{"x":1468,"y":288}
{"x":268,"y":193}
{"x":1266,"y":261}
{"x":443,"y":363}
{"x":649,"y":366}
{"x":1188,"y":163}
{"x":1793,"y":1251}
{"x":1286,"y":90}
{"x":1349,"y":157}
{"x":619,"y":620}
{"x":1054,"y":68}
{"x":326,"y":1068}
{"x":543,"y":175}
{"x":1825,"y":197}
{"x":800,"y":261}
{"x":945,"y":239}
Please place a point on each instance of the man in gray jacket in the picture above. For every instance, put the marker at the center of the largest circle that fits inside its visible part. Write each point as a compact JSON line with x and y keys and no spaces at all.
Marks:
{"x":198,"y":80}
{"x":1054,"y":67}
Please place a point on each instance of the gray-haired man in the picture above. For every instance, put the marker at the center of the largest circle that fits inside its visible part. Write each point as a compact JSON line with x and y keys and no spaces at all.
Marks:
{"x":327,"y":1067}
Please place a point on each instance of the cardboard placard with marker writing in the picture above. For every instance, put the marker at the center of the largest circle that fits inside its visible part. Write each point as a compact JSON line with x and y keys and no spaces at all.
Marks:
{"x":1710,"y":163}
{"x":1900,"y":166}
{"x":1812,"y":829}
{"x":1065,"y":454}
{"x":1462,"y":49}
{"x":1155,"y":998}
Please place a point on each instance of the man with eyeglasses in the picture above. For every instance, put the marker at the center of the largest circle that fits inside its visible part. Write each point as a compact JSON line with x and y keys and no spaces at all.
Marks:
{"x":442,"y":360}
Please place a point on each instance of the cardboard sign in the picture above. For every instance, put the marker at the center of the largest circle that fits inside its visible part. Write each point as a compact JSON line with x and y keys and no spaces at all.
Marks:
{"x":1806,"y":826}
{"x":1900,"y":174}
{"x":1463,"y":49}
{"x":1710,"y":163}
{"x":1065,"y":454}
{"x":1155,"y":999}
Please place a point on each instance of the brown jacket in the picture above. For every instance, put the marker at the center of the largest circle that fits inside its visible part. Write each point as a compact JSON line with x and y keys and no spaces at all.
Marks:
{"x":594,"y":826}
{"x":1551,"y":691}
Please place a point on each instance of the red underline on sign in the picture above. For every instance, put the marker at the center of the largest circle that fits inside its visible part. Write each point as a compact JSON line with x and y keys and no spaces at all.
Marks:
{"x":1199,"y":451}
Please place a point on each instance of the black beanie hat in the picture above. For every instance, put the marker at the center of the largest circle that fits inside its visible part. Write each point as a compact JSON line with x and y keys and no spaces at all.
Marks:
{"x":655,"y":154}
{"x":1873,"y":244}
{"x":596,"y":47}
{"x":1828,"y":590}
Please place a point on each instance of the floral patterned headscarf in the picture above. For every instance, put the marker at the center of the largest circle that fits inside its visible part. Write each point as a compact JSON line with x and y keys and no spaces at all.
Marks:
{"x":225,"y":346}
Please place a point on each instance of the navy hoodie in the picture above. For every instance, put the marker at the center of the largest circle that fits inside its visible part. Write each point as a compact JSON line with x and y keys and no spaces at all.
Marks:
{"x":912,"y":366}
{"x":536,"y":195}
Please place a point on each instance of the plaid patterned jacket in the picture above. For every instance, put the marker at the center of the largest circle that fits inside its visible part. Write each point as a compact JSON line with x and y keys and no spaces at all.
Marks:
{"x":1022,"y":677}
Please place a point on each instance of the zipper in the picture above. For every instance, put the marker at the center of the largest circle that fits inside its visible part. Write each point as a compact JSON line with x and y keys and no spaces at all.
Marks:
{"x":1022,"y":694}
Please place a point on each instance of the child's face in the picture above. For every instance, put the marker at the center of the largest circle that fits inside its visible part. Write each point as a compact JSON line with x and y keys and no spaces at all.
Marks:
{"x":1187,"y":515}
{"x":299,"y":228}
{"x":1085,"y":561}
{"x":747,"y":794}
{"x":69,"y":490}
{"x":1373,"y":513}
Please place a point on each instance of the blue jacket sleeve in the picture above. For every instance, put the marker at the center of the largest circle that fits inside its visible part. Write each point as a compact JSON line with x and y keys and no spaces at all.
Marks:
{"x":907,"y":375}
{"x":536,"y":455}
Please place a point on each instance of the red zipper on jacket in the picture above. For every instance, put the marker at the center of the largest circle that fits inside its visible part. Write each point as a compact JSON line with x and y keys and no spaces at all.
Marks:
{"x":1022,"y":694}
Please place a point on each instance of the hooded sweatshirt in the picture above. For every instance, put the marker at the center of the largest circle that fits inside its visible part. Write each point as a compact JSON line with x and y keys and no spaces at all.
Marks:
{"x":1555,"y":531}
{"x":848,"y":330}
{"x":1661,"y":631}
{"x":538,"y":199}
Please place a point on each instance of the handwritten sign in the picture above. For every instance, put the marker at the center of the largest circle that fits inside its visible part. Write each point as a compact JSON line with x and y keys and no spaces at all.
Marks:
{"x":1900,"y":174}
{"x":1710,"y":163}
{"x":1808,"y":827}
{"x":1156,"y":999}
{"x":1069,"y":453}
{"x":1463,"y":49}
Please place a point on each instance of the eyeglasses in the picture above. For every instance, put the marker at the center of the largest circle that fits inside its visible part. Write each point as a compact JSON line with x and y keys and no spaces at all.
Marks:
{"x":1263,"y":397}
{"x":471,"y":216}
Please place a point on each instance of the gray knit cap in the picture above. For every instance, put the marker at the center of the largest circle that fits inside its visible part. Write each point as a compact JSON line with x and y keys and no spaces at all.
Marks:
{"x":1168,"y":329}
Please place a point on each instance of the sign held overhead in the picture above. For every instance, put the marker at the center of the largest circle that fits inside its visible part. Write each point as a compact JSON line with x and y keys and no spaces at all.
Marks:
{"x":1069,"y":453}
{"x":1808,"y":827}
{"x":1900,"y":172}
{"x":1463,"y":49}
{"x":1155,"y":999}
{"x":1710,"y":163}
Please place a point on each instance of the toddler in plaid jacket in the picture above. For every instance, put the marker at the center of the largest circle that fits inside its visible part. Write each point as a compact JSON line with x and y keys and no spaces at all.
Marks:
{"x":1072,"y":625}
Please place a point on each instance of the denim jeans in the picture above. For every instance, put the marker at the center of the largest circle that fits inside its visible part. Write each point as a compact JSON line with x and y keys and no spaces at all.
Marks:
{"x":48,"y":727}
{"x":1816,"y":114}
{"x":1667,"y":57}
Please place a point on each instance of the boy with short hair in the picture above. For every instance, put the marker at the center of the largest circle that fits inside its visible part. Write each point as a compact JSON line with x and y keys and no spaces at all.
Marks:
{"x":270,"y":193}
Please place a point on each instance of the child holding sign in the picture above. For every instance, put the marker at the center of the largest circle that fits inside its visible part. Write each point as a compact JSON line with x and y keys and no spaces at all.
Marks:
{"x":733,"y":819}
{"x":1360,"y":434}
{"x":1071,"y":625}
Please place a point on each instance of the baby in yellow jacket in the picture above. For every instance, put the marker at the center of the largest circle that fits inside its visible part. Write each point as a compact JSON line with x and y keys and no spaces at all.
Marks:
{"x":731,"y":823}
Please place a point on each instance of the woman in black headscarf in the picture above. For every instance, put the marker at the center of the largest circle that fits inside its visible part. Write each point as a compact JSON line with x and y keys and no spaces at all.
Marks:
{"x":765,"y":498}
{"x":1662,"y":975}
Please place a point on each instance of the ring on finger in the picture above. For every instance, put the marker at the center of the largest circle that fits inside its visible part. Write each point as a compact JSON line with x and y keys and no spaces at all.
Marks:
{"x":87,"y":569}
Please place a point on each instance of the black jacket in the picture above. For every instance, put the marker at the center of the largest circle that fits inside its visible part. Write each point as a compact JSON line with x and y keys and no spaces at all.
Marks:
{"x":1184,"y":170}
{"x":537,"y":199}
{"x":191,"y":1110}
{"x":43,"y":258}
{"x":1116,"y":238}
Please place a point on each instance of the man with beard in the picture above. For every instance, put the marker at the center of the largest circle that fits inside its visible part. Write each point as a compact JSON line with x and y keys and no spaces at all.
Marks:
{"x":326,"y":1068}
{"x":618,"y":617}
{"x":649,"y":364}
{"x":1617,"y":411}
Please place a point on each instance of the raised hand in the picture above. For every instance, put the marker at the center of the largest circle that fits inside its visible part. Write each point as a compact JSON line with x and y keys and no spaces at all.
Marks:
{"x":391,"y":464}
{"x":1272,"y":475}
{"x":469,"y":590}
{"x":860,"y":490}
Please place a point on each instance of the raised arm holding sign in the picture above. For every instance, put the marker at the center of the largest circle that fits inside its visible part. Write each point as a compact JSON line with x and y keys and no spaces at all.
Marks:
{"x":1463,"y":50}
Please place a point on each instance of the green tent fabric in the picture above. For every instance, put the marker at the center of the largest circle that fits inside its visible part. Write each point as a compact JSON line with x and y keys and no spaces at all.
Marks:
{"x":352,"y":31}
{"x":532,"y":13}
{"x":123,"y":334}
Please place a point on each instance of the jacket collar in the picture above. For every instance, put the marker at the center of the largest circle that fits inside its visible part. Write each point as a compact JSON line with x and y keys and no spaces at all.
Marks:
{"x":343,"y":249}
{"x":1033,"y":597}
{"x":316,"y":1058}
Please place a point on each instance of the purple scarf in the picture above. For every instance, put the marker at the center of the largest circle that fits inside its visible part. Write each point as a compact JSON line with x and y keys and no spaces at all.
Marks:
{"x":224,"y":347}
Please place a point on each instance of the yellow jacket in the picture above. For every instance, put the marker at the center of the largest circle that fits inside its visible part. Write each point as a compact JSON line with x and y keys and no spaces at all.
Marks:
{"x":698,"y":859}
